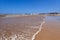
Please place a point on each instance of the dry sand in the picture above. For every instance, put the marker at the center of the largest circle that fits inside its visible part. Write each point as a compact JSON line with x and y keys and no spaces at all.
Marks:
{"x":50,"y":30}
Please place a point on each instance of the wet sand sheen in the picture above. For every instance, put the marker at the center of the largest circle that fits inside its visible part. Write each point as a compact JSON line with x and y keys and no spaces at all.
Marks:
{"x":40,"y":27}
{"x":50,"y":30}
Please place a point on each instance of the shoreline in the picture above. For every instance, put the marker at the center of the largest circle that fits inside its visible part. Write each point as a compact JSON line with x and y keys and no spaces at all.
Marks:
{"x":24,"y":27}
{"x":33,"y":37}
{"x":50,"y":30}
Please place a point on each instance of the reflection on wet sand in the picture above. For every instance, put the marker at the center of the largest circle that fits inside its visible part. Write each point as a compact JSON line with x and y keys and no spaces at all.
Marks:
{"x":50,"y":30}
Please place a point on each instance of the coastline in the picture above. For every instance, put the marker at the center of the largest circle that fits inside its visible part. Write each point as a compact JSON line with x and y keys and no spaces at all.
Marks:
{"x":50,"y":30}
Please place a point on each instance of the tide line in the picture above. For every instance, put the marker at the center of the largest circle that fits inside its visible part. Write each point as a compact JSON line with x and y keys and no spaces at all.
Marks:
{"x":33,"y":37}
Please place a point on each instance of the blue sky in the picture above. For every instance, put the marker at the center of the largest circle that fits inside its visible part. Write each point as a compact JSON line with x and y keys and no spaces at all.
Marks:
{"x":29,"y":6}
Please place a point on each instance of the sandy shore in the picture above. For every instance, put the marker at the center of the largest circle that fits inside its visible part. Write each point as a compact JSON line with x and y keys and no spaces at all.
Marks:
{"x":50,"y":30}
{"x":19,"y":28}
{"x":27,"y":27}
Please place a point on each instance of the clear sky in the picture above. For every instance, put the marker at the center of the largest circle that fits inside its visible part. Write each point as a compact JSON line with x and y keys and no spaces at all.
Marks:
{"x":29,"y":6}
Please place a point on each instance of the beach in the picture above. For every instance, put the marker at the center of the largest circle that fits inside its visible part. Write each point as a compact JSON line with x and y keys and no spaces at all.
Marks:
{"x":20,"y":27}
{"x":30,"y":27}
{"x":29,"y":19}
{"x":50,"y":30}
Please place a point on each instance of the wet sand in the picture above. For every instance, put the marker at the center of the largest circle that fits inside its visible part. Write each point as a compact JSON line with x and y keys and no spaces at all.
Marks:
{"x":24,"y":27}
{"x":50,"y":30}
{"x":19,"y":28}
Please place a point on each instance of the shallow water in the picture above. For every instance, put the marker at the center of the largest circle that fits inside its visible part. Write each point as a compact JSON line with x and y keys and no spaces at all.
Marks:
{"x":20,"y":28}
{"x":53,"y":18}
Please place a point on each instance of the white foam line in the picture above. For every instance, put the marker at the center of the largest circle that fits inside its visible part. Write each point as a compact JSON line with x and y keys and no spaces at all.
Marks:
{"x":33,"y":37}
